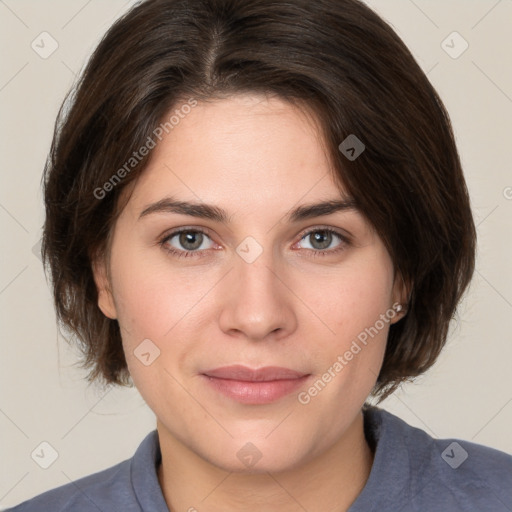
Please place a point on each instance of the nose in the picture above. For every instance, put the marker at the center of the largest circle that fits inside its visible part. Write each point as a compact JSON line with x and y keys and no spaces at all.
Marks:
{"x":256,"y":301}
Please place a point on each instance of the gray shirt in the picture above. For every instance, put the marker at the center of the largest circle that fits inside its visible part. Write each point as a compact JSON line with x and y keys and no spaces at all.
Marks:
{"x":411,"y":472}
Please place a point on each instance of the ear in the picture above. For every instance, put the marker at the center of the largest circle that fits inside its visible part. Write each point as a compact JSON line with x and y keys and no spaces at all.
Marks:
{"x":400,"y":296}
{"x":102,"y":281}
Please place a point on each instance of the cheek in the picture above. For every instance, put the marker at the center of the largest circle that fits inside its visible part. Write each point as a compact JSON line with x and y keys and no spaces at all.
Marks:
{"x":152,"y":305}
{"x":163,"y":305}
{"x":351,"y":299}
{"x":354,"y":303}
{"x":151,"y":298}
{"x":349,"y":361}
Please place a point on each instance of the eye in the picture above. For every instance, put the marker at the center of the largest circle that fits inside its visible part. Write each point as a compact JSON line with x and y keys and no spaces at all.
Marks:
{"x":186,"y":242}
{"x":321,"y":240}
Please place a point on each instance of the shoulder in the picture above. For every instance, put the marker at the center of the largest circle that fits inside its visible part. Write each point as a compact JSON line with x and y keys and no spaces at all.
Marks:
{"x":121,"y":487}
{"x":86,"y":494}
{"x":434,"y":474}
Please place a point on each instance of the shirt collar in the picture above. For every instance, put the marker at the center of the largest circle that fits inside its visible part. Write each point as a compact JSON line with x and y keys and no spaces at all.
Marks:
{"x":144,"y":475}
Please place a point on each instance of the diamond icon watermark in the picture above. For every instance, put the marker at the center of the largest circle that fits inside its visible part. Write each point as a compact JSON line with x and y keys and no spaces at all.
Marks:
{"x":249,"y":250}
{"x":352,"y":147}
{"x":147,"y":352}
{"x":44,"y":45}
{"x":36,"y":250}
{"x":44,"y":455}
{"x":454,"y":45}
{"x":249,"y":455}
{"x":454,"y":455}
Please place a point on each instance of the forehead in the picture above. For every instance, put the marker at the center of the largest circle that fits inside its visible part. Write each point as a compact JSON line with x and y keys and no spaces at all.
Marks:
{"x":246,"y":152}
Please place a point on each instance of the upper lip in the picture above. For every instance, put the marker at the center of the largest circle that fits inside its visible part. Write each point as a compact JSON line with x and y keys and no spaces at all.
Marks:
{"x":244,"y":373}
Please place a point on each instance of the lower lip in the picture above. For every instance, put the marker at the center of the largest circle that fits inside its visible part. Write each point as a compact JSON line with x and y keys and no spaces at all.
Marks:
{"x":263,"y":392}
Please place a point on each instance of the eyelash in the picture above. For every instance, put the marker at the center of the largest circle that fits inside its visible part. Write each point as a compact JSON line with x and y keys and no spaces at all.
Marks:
{"x":201,"y":253}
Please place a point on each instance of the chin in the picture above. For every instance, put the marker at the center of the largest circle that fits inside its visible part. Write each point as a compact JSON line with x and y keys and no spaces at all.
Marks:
{"x":255,"y":454}
{"x":249,"y":459}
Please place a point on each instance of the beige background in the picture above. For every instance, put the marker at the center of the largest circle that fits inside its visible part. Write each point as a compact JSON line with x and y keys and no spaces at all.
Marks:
{"x":43,"y":397}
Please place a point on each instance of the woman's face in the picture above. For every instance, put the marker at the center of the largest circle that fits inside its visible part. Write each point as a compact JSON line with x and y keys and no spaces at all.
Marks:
{"x":248,"y":283}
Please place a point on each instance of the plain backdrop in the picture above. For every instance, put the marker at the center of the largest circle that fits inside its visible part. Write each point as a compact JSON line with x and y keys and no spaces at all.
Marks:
{"x":44,"y":397}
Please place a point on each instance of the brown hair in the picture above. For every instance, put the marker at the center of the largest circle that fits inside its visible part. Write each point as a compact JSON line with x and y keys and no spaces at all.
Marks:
{"x":336,"y":57}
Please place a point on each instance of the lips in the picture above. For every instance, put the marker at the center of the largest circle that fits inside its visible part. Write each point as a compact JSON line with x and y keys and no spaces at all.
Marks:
{"x":243,"y":373}
{"x":255,"y":386}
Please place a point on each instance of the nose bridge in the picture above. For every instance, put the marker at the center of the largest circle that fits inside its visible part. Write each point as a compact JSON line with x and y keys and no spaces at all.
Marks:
{"x":254,"y":261}
{"x":257,"y":277}
{"x":258,"y":302}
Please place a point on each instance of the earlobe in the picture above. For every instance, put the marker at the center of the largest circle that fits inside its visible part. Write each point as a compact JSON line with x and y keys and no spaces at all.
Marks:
{"x":401,"y":297}
{"x":105,"y":296}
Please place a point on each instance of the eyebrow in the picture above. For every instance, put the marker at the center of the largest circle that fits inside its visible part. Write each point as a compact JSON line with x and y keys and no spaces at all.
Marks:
{"x":212,"y":212}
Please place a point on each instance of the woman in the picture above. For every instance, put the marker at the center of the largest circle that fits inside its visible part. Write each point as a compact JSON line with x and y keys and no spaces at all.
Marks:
{"x":256,"y":213}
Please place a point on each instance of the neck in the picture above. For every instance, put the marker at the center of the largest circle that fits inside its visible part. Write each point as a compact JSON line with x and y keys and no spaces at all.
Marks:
{"x":330,"y":482}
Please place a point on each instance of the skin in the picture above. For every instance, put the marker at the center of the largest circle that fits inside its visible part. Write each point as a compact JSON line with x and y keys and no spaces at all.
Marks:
{"x":257,"y":157}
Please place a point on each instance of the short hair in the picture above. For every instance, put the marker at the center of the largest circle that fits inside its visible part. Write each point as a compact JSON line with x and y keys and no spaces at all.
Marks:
{"x":336,"y":58}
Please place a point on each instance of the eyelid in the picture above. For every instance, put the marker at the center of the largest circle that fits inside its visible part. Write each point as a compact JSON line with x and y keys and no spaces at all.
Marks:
{"x":345,"y":241}
{"x":168,"y":235}
{"x":319,"y":227}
